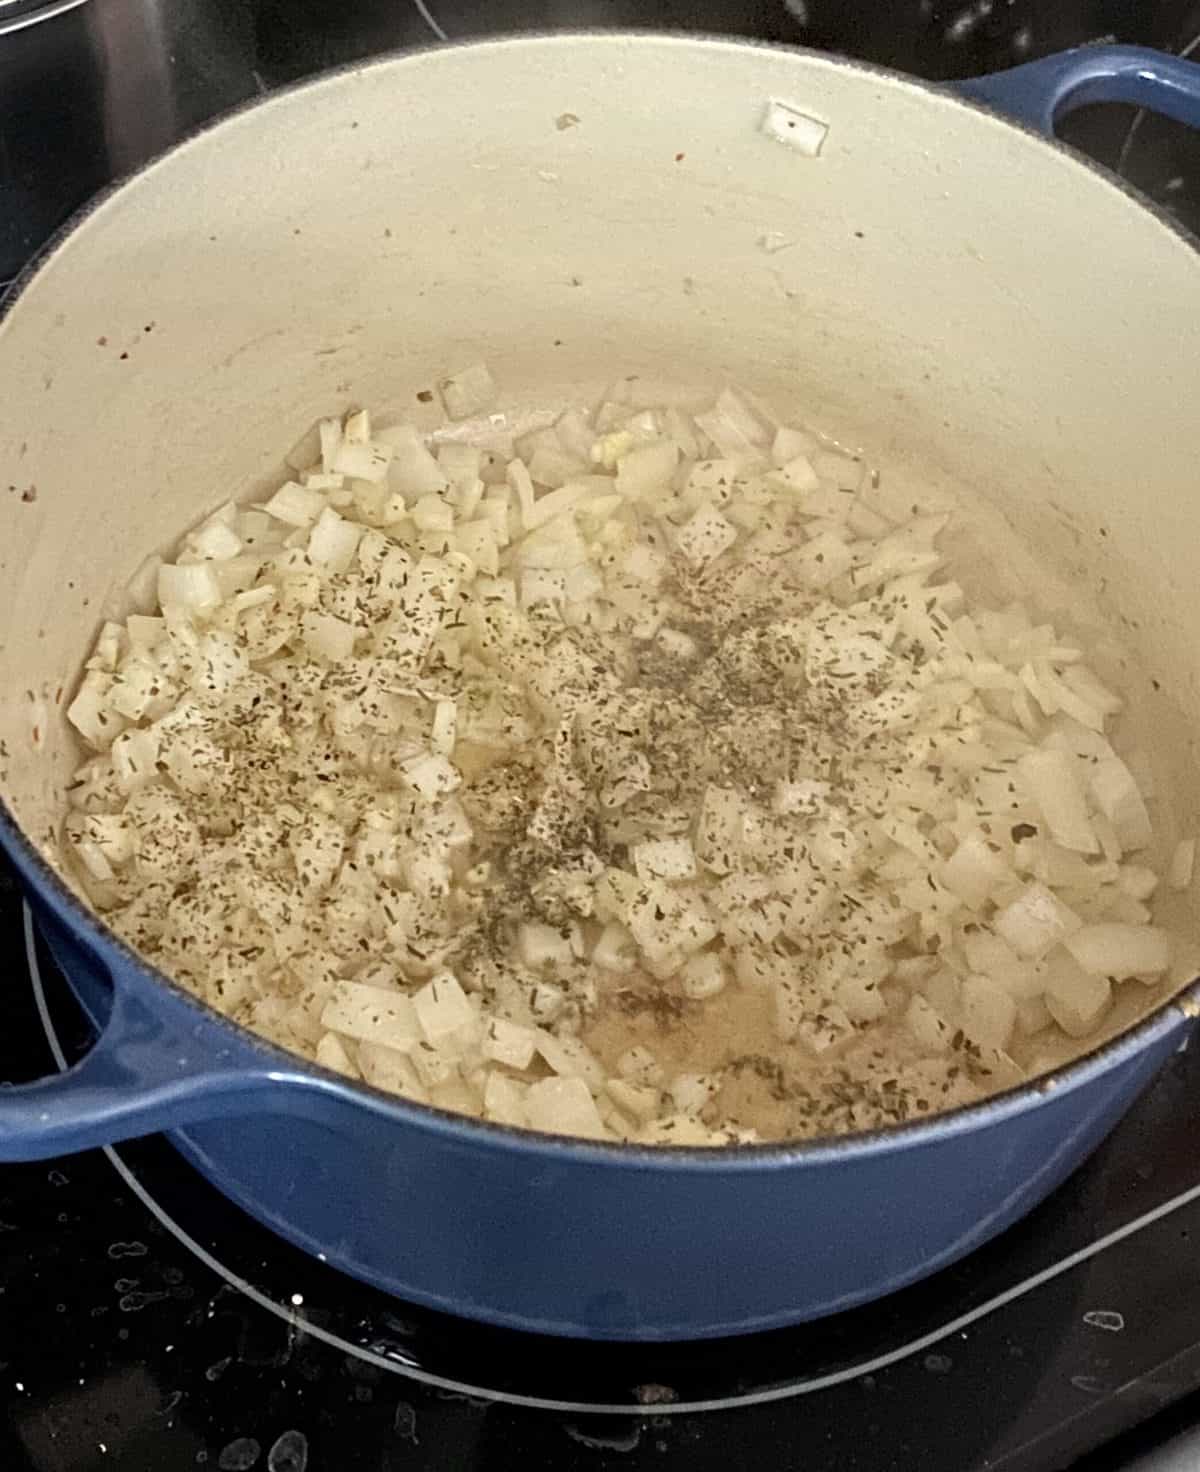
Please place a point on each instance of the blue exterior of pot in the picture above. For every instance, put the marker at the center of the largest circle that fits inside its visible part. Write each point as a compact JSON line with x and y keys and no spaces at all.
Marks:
{"x":563,"y":1236}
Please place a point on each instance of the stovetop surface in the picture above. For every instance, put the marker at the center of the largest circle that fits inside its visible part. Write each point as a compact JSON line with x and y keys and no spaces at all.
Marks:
{"x":147,"y":1324}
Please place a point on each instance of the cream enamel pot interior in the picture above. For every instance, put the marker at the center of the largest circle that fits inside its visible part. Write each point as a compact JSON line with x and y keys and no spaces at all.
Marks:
{"x":965,"y":300}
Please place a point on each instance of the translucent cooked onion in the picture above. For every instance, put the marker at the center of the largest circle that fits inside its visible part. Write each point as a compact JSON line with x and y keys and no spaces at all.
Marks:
{"x":643,"y":778}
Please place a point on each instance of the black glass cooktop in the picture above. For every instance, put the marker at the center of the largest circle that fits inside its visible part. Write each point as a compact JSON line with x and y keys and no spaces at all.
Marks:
{"x":147,"y":1325}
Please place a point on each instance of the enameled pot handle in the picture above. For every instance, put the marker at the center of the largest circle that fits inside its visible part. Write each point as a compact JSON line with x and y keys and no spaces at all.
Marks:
{"x":138,"y":1078}
{"x":1041,"y":93}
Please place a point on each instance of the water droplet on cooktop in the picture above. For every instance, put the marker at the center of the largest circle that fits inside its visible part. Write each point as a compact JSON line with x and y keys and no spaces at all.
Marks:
{"x":405,"y":1423}
{"x":127,"y":1249}
{"x":240,"y":1455}
{"x":289,"y":1453}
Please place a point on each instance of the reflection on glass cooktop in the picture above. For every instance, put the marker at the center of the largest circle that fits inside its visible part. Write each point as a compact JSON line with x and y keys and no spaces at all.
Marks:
{"x":146,"y":1325}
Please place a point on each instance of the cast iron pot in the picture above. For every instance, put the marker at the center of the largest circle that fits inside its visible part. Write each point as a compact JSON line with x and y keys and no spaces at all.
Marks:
{"x":911,"y":270}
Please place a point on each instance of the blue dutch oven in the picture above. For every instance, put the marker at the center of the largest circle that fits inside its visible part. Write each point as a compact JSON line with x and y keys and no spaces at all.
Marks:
{"x":989,"y":305}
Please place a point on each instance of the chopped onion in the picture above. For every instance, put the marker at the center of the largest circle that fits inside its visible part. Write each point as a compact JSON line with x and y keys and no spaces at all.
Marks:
{"x":987,"y":1012}
{"x":1035,"y":921}
{"x":1049,"y":778}
{"x":1076,"y":999}
{"x":563,"y":1106}
{"x":440,"y":764}
{"x":373,"y":1014}
{"x":1121,"y":950}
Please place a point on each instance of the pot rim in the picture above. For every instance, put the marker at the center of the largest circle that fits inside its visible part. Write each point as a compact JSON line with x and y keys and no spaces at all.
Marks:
{"x":36,"y":871}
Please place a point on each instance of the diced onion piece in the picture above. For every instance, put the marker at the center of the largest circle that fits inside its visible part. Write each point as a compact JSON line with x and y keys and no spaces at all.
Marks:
{"x":134,"y":755}
{"x":1139,"y":882}
{"x":357,"y":427}
{"x":973,"y":871}
{"x":442,"y":1008}
{"x":332,"y":1054}
{"x":733,"y":428}
{"x":1121,"y":950}
{"x":798,"y":475}
{"x":691,"y":1092}
{"x":986,"y":953}
{"x":193,"y":587}
{"x":665,"y":858}
{"x":553,"y":503}
{"x":1076,"y":999}
{"x":616,"y":950}
{"x":295,"y":505}
{"x":563,"y":1106}
{"x":719,"y":828}
{"x":433,"y":776}
{"x":333,"y":542}
{"x":434,"y":1068}
{"x":639,"y":1101}
{"x":330,"y":434}
{"x":823,"y":560}
{"x":540,"y":945}
{"x":390,"y":1069}
{"x":825,"y":1030}
{"x":504,"y":1100}
{"x":374,"y":1014}
{"x":1035,"y":921}
{"x":92,"y":712}
{"x":508,"y":1043}
{"x":1118,"y":798}
{"x":477,"y":540}
{"x":668,"y":926}
{"x":1033,"y":1016}
{"x":443,"y":735}
{"x":555,"y":545}
{"x":926,"y":1026}
{"x":570,"y":1058}
{"x":413,"y":471}
{"x":362,"y":461}
{"x":460,"y":463}
{"x":93,"y":859}
{"x":702,"y":976}
{"x":433,"y":514}
{"x":328,"y":637}
{"x":647,"y":469}
{"x":705,"y":536}
{"x":215,"y":540}
{"x":987,"y":1012}
{"x":144,"y":633}
{"x":1050,"y":778}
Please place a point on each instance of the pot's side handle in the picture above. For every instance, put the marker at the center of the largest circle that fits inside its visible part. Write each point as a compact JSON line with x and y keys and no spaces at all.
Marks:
{"x":138,"y":1078}
{"x":1041,"y":93}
